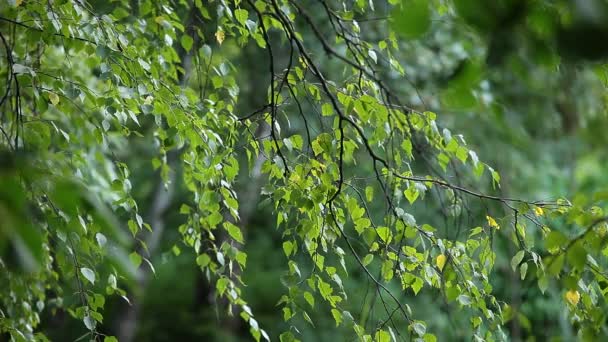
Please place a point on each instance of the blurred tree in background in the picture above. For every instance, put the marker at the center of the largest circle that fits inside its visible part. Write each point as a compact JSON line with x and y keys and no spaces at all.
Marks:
{"x":303,"y":170}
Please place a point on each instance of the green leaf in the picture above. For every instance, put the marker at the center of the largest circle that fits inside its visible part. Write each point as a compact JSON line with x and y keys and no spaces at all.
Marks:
{"x":310,"y":299}
{"x":234,"y":231}
{"x":382,"y":336}
{"x":221,"y":285}
{"x":417,"y":285}
{"x":523,"y":270}
{"x":287,"y":337}
{"x":385,"y":234}
{"x":368,"y":259}
{"x":287,"y":248}
{"x":554,"y":241}
{"x":369,"y":193}
{"x":88,"y":274}
{"x":555,"y":264}
{"x":519,"y":256}
{"x":184,"y":209}
{"x":577,"y":256}
{"x":462,"y":154}
{"x":543,"y":283}
{"x":452,"y":146}
{"x":187,"y":42}
{"x":241,"y":15}
{"x":412,"y":19}
{"x":429,"y":338}
{"x":411,"y":194}
{"x":241,"y":258}
{"x":337,"y":316}
{"x":327,"y":109}
{"x":496,"y":177}
{"x":443,"y":160}
{"x":387,"y":270}
{"x":203,"y":260}
{"x":406,"y":145}
{"x":135,"y":259}
{"x":361,"y":224}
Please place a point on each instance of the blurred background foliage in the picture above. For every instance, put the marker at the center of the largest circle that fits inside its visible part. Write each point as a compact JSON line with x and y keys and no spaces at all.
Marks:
{"x":524,"y":82}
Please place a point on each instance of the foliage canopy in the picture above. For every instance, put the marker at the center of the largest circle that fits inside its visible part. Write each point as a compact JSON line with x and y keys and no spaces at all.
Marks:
{"x":349,"y":151}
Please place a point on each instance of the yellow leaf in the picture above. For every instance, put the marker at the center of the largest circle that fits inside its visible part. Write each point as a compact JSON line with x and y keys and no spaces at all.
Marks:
{"x":18,"y":3}
{"x":573,"y":297}
{"x":440,"y":261}
{"x":220,"y":36}
{"x":492,"y":222}
{"x":539,"y":211}
{"x":54,"y":98}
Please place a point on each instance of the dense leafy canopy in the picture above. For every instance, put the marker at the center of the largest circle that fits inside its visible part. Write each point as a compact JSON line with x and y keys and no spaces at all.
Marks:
{"x":350,"y":138}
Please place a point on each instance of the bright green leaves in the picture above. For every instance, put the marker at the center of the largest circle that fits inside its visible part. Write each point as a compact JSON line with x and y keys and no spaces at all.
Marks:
{"x":411,"y":193}
{"x":387,"y":270}
{"x":457,"y":150}
{"x":369,"y":193}
{"x":135,"y":259}
{"x":443,"y":160}
{"x":310,"y":299}
{"x":186,"y":42}
{"x":357,"y":214}
{"x":327,"y":109}
{"x":241,"y":15}
{"x":382,"y":336}
{"x":367,"y":259}
{"x":288,"y":248}
{"x":221,"y":285}
{"x":203,"y":260}
{"x":385,"y":234}
{"x":406,"y":145}
{"x":234,"y":231}
{"x":293,"y":142}
{"x":412,"y":18}
{"x":337,"y":315}
{"x":325,"y":290}
{"x":516,"y":260}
